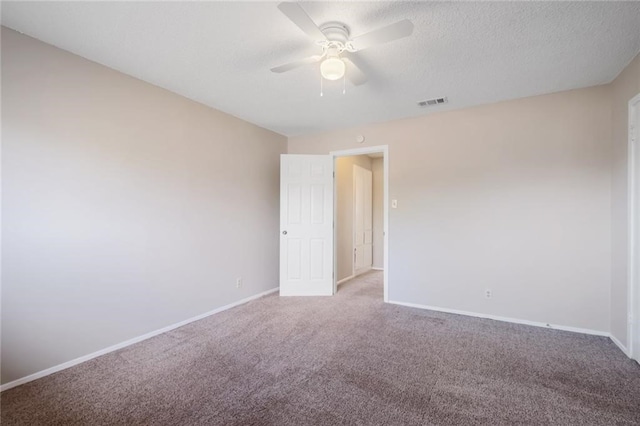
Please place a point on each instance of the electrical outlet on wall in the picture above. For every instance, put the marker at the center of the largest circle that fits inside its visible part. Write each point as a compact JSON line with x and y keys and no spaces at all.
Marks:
{"x":238,"y":282}
{"x":488,"y":294}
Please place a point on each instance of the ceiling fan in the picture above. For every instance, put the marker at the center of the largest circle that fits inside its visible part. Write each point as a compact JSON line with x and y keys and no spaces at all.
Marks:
{"x":337,"y":45}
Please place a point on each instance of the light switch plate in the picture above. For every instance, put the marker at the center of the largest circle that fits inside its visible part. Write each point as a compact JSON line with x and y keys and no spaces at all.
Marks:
{"x":394,"y":204}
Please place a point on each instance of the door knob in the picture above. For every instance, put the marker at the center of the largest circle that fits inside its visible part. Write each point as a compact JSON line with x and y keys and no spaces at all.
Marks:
{"x":284,"y":232}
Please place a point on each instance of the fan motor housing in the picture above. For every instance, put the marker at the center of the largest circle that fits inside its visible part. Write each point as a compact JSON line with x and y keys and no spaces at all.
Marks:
{"x":335,"y":31}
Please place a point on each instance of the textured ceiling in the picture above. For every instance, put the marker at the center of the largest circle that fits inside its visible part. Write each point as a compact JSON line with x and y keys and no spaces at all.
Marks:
{"x":220,"y":53}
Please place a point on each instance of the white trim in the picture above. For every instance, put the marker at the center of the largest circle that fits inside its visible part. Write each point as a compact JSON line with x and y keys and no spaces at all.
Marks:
{"x":344,"y":280}
{"x":633,"y":278}
{"x":619,"y":344}
{"x":384,"y":149}
{"x":363,"y":271}
{"x":505,"y":319}
{"x":352,"y":276}
{"x":306,"y":292}
{"x":377,"y":269}
{"x":126,"y":343}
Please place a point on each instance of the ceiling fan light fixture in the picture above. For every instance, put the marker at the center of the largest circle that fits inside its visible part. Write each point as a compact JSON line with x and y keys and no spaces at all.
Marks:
{"x":332,"y":68}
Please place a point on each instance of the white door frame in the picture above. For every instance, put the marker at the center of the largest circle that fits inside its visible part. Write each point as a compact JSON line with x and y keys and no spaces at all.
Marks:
{"x":633,"y":276}
{"x":384,"y":149}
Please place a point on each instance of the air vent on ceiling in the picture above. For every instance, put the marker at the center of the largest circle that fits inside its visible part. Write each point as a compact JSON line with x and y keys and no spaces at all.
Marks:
{"x":432,"y":102}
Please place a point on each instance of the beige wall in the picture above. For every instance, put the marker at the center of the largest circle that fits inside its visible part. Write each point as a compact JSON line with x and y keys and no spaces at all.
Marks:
{"x":623,"y":88}
{"x":377,"y":169}
{"x":126,"y":208}
{"x":514,"y":197}
{"x":344,"y":198}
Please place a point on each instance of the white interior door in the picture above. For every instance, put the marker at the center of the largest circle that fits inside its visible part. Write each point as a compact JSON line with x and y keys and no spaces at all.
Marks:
{"x":306,"y":225}
{"x":363,"y":219}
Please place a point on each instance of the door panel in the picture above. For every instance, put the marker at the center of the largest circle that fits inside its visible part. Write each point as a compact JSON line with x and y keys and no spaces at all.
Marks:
{"x":306,"y":225}
{"x":363,"y":219}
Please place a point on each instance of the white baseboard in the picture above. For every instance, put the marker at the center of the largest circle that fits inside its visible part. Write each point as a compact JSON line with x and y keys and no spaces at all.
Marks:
{"x":126,"y":343}
{"x":362,"y":271}
{"x":138,"y":339}
{"x":619,"y":344}
{"x":344,"y":280}
{"x":505,"y":319}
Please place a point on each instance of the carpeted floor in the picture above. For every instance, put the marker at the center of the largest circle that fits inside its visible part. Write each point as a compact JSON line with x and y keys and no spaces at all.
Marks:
{"x":347,"y":359}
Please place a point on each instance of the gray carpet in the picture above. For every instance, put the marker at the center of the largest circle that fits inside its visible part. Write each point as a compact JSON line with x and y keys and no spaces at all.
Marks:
{"x":345,"y":360}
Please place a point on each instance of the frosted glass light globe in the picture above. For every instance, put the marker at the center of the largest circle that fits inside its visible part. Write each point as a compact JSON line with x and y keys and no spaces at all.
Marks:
{"x":332,"y":68}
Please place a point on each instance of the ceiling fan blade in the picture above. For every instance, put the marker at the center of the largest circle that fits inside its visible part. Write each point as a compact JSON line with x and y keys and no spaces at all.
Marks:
{"x":382,"y":35}
{"x":353,"y":72}
{"x":296,"y":64}
{"x":298,"y":16}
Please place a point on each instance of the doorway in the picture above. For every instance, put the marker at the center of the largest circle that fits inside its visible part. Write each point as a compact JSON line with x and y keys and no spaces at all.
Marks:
{"x":361,"y":235}
{"x":354,"y":218}
{"x":634,"y":229}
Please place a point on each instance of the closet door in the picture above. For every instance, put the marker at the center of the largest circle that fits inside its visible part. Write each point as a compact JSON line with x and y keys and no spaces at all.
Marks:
{"x":363,"y":219}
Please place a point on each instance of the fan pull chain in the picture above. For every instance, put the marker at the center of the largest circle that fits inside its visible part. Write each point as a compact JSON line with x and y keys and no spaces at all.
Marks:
{"x":321,"y":94}
{"x":344,"y":83}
